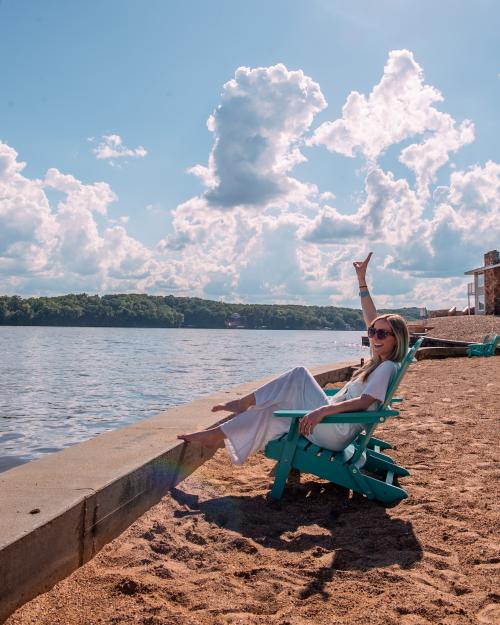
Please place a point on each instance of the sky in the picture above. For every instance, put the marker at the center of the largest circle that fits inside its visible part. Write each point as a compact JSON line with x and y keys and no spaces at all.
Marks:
{"x":249,"y":151}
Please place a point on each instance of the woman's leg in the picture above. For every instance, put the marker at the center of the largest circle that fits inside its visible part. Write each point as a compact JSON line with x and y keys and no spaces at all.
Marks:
{"x":295,"y":389}
{"x":208,"y":438}
{"x":214,"y":437}
{"x":252,"y":428}
{"x":236,"y":405}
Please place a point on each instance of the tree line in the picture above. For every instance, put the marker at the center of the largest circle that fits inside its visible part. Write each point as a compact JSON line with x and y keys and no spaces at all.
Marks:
{"x":156,"y":311}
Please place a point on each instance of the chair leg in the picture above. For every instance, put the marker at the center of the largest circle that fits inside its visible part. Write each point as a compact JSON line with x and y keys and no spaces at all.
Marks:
{"x":282,"y":471}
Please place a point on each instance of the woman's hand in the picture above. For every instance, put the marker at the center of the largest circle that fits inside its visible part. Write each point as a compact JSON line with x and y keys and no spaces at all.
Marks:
{"x":310,"y":421}
{"x":369,"y":310}
{"x":360,"y":266}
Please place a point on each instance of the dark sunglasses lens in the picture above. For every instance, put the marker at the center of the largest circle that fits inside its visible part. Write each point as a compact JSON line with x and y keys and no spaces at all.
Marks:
{"x":380,"y":334}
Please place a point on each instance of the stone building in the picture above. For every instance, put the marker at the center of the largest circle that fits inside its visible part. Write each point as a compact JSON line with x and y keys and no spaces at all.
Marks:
{"x":486,"y":285}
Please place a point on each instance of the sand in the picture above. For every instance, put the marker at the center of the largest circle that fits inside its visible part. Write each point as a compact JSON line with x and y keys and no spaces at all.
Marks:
{"x":464,"y":328}
{"x":216,"y":552}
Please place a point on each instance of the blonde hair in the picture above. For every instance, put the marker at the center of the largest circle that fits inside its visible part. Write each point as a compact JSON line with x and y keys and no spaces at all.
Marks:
{"x":398,"y":326}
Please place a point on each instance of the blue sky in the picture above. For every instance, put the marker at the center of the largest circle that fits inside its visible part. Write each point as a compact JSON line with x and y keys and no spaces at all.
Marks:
{"x":107,"y":102}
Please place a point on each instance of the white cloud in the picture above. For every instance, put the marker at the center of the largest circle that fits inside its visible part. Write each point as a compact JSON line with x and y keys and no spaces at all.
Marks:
{"x":477,"y":193}
{"x":465,"y":220}
{"x":57,"y":248}
{"x":331,"y":226}
{"x":250,"y":199}
{"x":28,"y":230}
{"x":465,"y":223}
{"x":258,"y":128}
{"x":427,"y":157}
{"x":82,"y":197}
{"x":399,"y":107}
{"x":389,"y":212}
{"x":112,"y":147}
{"x":462,"y":218}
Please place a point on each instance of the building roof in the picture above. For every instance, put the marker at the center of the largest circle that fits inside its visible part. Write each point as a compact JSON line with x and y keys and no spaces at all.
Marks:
{"x":481,"y":269}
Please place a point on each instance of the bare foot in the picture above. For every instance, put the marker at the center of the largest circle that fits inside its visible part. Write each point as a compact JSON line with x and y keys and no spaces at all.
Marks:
{"x":206,"y":438}
{"x":231,"y":406}
{"x":237,"y":405}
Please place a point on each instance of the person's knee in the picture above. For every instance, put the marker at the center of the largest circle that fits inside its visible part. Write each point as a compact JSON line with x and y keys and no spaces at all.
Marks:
{"x":302,"y":372}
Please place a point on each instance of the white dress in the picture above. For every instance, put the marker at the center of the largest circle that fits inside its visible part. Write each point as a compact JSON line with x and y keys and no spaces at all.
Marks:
{"x":297,"y":389}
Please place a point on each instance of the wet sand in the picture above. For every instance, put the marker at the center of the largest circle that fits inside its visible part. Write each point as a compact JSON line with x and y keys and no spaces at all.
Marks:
{"x":216,"y":552}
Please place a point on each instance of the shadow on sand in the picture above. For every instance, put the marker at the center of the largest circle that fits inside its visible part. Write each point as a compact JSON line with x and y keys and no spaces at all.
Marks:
{"x":359,"y":534}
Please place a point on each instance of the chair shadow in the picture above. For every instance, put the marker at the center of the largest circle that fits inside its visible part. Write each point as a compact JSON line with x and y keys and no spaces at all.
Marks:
{"x":359,"y":534}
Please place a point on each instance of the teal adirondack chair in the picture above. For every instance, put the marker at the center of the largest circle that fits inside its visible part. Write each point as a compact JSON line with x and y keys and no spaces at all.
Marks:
{"x":486,"y":348}
{"x":477,"y":347}
{"x":361,"y":466}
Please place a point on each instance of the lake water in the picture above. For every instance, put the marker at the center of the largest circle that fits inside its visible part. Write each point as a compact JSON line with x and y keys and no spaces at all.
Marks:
{"x":61,"y":386}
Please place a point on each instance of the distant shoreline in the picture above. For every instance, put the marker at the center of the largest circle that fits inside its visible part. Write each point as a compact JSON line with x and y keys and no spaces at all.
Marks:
{"x":136,"y":310}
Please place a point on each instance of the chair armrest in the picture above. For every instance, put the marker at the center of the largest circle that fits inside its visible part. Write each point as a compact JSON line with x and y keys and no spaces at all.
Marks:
{"x":330,"y":392}
{"x":370,"y":416}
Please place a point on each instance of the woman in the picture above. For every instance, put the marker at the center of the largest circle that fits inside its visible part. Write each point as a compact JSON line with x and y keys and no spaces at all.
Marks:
{"x":254,"y":425}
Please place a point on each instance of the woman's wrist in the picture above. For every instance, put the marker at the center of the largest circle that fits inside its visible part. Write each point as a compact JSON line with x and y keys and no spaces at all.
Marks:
{"x":319,"y":414}
{"x":322,"y":412}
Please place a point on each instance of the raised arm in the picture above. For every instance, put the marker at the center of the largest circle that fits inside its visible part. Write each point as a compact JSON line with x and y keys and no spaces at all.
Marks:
{"x":369,"y":310}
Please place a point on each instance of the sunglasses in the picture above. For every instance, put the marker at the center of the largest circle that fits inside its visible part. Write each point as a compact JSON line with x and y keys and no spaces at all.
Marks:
{"x":380,"y":334}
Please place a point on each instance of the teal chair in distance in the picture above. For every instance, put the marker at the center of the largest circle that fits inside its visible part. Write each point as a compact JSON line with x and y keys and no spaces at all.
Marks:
{"x":361,"y":466}
{"x":486,"y":348}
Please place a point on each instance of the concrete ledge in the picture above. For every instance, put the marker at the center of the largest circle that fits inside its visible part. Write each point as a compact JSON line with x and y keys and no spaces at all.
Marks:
{"x":59,"y":511}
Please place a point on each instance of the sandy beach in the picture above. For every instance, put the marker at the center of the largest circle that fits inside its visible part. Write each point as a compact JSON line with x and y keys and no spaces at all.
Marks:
{"x":464,"y":328}
{"x":216,"y":552}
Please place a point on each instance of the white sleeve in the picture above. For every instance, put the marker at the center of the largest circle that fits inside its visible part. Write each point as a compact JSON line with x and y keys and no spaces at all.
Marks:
{"x":379,"y":380}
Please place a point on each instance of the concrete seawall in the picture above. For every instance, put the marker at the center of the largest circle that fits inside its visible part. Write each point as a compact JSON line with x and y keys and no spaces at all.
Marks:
{"x":57,"y":512}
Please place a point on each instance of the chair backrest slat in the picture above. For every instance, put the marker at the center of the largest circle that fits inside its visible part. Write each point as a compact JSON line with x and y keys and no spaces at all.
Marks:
{"x":363,"y":439}
{"x":403,"y":366}
{"x":492,"y":347}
